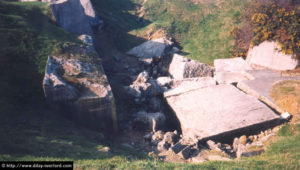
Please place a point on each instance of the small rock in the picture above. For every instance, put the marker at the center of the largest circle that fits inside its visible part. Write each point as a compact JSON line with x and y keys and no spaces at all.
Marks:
{"x":243,"y":140}
{"x":213,"y":146}
{"x":235,"y":144}
{"x":255,"y":138}
{"x":157,"y":136}
{"x":163,"y":146}
{"x":261,"y":135}
{"x":285,"y":116}
{"x":251,"y":138}
{"x":164,"y":81}
{"x":171,"y":138}
{"x":104,"y":149}
{"x":146,"y":61}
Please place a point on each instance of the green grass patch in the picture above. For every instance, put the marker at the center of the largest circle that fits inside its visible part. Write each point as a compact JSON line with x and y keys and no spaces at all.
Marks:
{"x":201,"y":30}
{"x":285,"y":130}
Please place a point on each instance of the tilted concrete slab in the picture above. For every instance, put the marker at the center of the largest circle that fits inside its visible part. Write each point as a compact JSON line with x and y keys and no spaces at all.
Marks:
{"x":260,"y":85}
{"x":217,"y":109}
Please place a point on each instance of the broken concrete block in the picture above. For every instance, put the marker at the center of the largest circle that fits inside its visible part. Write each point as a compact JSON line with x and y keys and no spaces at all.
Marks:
{"x":231,"y":65}
{"x":268,"y":55}
{"x":182,"y":67}
{"x":231,"y":70}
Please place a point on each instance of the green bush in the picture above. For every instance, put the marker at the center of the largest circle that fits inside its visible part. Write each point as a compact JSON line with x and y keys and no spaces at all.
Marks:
{"x":273,"y":22}
{"x":269,"y":21}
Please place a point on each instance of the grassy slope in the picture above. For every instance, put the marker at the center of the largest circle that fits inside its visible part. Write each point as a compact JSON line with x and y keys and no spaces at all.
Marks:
{"x":201,"y":30}
{"x":31,"y":131}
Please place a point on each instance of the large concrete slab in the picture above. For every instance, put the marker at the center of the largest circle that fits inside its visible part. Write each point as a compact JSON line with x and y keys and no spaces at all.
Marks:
{"x":189,"y":84}
{"x":260,"y":85}
{"x":216,"y":110}
{"x":231,"y":70}
{"x":268,"y":56}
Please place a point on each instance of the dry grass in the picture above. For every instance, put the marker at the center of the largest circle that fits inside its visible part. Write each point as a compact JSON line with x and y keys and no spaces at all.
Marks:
{"x":287,"y":95}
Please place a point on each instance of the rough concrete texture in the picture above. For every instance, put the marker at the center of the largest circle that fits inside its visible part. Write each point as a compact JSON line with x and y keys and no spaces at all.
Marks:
{"x":189,"y":84}
{"x":231,"y":65}
{"x":231,"y":70}
{"x":230,"y":77}
{"x":82,"y":89}
{"x":217,"y":109}
{"x":260,"y":85}
{"x":74,"y":16}
{"x":267,"y":55}
{"x":182,"y":67}
{"x":151,"y":48}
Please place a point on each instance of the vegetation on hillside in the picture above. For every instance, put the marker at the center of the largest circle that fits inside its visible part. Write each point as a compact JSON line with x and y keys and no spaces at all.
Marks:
{"x":269,"y":21}
{"x":29,"y":130}
{"x":200,"y":29}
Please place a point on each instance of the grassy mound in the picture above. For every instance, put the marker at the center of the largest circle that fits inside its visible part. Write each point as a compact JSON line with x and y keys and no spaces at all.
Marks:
{"x":29,"y":130}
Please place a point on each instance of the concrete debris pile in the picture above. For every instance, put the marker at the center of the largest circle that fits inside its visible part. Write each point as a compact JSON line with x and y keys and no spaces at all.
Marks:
{"x":211,"y":104}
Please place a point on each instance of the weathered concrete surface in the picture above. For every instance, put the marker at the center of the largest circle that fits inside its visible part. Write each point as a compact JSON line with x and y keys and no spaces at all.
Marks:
{"x":231,"y":65}
{"x":267,"y":55}
{"x":231,"y":70}
{"x":230,"y":77}
{"x":217,"y":109}
{"x":151,"y":48}
{"x":81,"y":88}
{"x":260,"y":85}
{"x":74,"y":16}
{"x":189,"y":84}
{"x":182,"y":67}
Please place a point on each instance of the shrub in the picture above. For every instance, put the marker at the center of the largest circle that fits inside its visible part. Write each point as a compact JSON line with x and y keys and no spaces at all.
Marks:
{"x":270,"y":21}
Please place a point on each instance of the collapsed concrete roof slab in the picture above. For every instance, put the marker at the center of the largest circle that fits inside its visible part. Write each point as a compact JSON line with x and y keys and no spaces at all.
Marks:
{"x":260,"y":85}
{"x":217,"y":109}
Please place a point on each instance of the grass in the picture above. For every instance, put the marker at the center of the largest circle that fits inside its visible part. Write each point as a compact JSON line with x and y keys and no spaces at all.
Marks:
{"x":287,"y":95}
{"x":201,"y":30}
{"x":31,"y":131}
